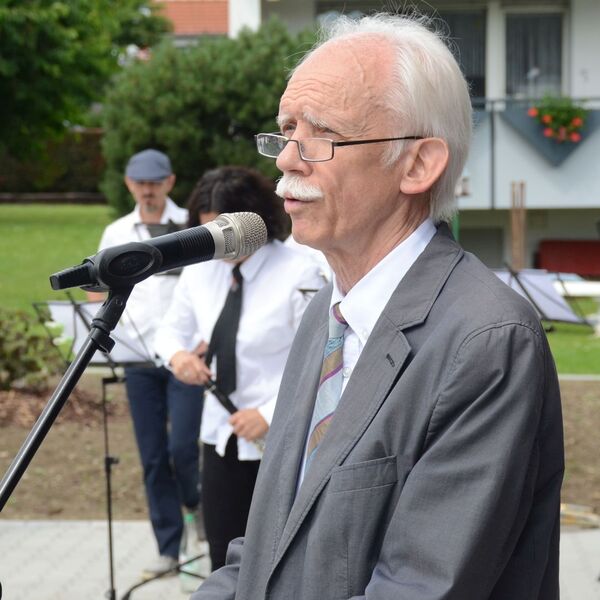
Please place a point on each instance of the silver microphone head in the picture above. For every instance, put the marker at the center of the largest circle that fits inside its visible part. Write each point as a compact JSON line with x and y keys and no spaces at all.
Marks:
{"x":237,"y":234}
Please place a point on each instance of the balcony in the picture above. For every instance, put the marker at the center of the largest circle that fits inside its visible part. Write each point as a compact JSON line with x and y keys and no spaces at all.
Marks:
{"x":561,"y":184}
{"x":509,"y":146}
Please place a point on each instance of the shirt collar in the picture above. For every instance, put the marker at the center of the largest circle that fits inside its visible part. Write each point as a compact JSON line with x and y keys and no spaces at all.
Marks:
{"x":376,"y":288}
{"x":252,"y":265}
{"x":169,"y":213}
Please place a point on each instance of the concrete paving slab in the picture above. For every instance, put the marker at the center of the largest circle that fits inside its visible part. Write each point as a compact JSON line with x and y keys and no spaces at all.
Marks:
{"x":580,"y":564}
{"x":68,"y":560}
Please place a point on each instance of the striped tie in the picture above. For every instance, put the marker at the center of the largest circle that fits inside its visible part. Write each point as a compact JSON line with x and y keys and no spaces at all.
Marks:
{"x":330,"y":383}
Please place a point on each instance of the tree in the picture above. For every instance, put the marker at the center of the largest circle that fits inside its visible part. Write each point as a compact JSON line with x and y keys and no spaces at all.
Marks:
{"x":56,"y":57}
{"x":202,"y":105}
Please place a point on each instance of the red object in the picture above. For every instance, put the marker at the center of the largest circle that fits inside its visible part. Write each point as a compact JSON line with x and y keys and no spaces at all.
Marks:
{"x":577,"y":122}
{"x":533,"y":112}
{"x":548,"y":132}
{"x":570,"y":256}
{"x":547,"y":119}
{"x":196,"y":17}
{"x":575,"y":137}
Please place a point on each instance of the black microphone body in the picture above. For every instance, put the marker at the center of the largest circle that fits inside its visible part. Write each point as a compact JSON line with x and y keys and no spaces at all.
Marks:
{"x":228,"y":236}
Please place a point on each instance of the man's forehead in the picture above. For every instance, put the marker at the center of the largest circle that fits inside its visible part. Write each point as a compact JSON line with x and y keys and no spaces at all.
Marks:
{"x":324,"y":114}
{"x":353,"y":57}
{"x":339,"y":76}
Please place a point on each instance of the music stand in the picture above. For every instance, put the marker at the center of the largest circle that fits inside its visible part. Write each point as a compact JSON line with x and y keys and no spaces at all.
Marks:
{"x":75,"y":319}
{"x":103,"y":323}
{"x":536,"y":285}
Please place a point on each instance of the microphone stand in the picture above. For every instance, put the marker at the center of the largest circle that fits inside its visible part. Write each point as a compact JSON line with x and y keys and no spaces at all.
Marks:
{"x":98,"y":338}
{"x":109,"y":461}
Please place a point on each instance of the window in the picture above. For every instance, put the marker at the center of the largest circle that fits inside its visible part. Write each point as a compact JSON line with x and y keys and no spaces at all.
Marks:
{"x":533,"y":54}
{"x":467,"y":32}
{"x":466,"y":29}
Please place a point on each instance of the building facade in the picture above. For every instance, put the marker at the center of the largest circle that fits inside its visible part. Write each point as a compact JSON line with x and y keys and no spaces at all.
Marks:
{"x":513,"y":53}
{"x":194,"y":18}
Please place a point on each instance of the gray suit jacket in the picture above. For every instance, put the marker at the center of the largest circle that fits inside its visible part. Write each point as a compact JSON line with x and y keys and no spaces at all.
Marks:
{"x":440,"y":475}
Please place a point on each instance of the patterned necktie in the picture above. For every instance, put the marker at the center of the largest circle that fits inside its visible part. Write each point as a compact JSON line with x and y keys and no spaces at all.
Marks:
{"x":330,"y":383}
{"x":222,"y":341}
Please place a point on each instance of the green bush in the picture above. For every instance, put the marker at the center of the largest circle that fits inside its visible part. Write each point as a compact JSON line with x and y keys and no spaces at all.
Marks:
{"x":56,"y":56}
{"x":202,"y":105}
{"x":27,"y":356}
{"x":72,"y":164}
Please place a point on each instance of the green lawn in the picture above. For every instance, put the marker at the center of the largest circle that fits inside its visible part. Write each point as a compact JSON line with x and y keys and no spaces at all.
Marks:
{"x":575,"y":349}
{"x":38,"y":240}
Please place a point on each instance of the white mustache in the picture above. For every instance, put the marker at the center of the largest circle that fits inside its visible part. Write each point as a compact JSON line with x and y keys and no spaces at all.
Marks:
{"x":294,"y":186}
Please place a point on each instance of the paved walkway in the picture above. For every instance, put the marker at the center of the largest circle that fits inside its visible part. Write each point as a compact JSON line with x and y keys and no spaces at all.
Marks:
{"x":68,"y":560}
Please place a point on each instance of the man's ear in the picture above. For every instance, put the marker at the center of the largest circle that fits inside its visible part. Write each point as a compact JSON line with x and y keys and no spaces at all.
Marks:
{"x":425,"y":162}
{"x":129,"y":183}
{"x":170,"y":181}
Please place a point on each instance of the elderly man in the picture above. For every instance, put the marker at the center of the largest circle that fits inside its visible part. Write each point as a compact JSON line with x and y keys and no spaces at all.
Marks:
{"x":416,"y":448}
{"x":166,"y":413}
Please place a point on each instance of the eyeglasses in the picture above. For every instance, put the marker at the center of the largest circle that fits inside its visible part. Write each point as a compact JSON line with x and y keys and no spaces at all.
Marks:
{"x":312,"y":149}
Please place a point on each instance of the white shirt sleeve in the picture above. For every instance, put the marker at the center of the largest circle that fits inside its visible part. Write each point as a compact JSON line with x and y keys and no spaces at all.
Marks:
{"x":267,"y":409}
{"x":108,"y":239}
{"x":309,"y":282}
{"x":178,"y":327}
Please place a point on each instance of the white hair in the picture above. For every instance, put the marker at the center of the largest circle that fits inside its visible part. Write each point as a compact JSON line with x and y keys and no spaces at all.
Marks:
{"x":428,"y":92}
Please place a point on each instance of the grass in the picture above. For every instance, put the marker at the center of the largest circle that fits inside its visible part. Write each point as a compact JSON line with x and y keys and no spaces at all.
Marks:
{"x":38,"y":240}
{"x":575,"y":348}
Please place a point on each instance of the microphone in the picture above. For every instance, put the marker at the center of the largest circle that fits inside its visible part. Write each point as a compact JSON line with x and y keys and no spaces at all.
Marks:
{"x":230,"y":235}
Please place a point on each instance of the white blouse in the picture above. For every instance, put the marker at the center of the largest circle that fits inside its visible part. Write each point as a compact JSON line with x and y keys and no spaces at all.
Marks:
{"x":278,"y":284}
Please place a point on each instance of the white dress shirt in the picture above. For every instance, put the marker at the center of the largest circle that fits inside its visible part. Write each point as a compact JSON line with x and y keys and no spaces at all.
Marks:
{"x":272,"y":305}
{"x":363,"y":304}
{"x":151,"y":297}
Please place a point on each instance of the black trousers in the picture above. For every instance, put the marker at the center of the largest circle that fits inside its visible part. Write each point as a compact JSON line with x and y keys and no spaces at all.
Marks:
{"x":227,"y":486}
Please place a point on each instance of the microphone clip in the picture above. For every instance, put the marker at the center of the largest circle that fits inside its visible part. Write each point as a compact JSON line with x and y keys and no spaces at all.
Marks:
{"x":112,"y":268}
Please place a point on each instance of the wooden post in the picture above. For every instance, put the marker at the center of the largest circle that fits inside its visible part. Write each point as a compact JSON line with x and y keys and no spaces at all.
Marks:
{"x":518,"y":225}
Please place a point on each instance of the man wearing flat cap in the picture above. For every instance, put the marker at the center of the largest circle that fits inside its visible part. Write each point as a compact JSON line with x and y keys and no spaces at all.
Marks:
{"x":166,"y":412}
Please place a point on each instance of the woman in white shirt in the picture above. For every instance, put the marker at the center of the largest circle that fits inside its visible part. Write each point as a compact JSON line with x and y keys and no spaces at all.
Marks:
{"x":277,"y":283}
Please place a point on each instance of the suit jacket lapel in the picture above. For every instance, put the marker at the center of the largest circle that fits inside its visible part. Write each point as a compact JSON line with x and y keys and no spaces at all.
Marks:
{"x":291,"y":444}
{"x":378,"y":368}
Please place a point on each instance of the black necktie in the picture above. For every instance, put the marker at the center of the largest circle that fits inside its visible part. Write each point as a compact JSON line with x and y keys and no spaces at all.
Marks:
{"x":222,"y":341}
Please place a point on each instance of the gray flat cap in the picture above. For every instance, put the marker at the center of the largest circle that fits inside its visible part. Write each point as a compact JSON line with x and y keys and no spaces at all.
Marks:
{"x":149,"y":165}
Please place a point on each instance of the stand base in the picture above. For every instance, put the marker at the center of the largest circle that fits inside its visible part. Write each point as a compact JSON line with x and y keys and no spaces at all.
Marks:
{"x":176,"y":569}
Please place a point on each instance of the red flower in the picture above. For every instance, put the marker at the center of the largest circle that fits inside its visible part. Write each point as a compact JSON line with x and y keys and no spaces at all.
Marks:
{"x":561,"y":119}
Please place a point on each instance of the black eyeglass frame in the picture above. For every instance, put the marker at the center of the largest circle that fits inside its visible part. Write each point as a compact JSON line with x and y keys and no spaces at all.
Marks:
{"x":333,"y":144}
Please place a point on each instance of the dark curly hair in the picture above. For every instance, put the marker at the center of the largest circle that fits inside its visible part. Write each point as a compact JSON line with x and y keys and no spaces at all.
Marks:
{"x":239,"y":189}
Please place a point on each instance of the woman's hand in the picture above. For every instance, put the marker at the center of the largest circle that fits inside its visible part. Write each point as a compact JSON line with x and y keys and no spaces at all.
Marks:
{"x":189,"y":368}
{"x":249,"y":424}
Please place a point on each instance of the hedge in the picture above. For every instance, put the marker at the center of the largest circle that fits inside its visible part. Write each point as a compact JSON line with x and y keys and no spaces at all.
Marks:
{"x":202,"y":105}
